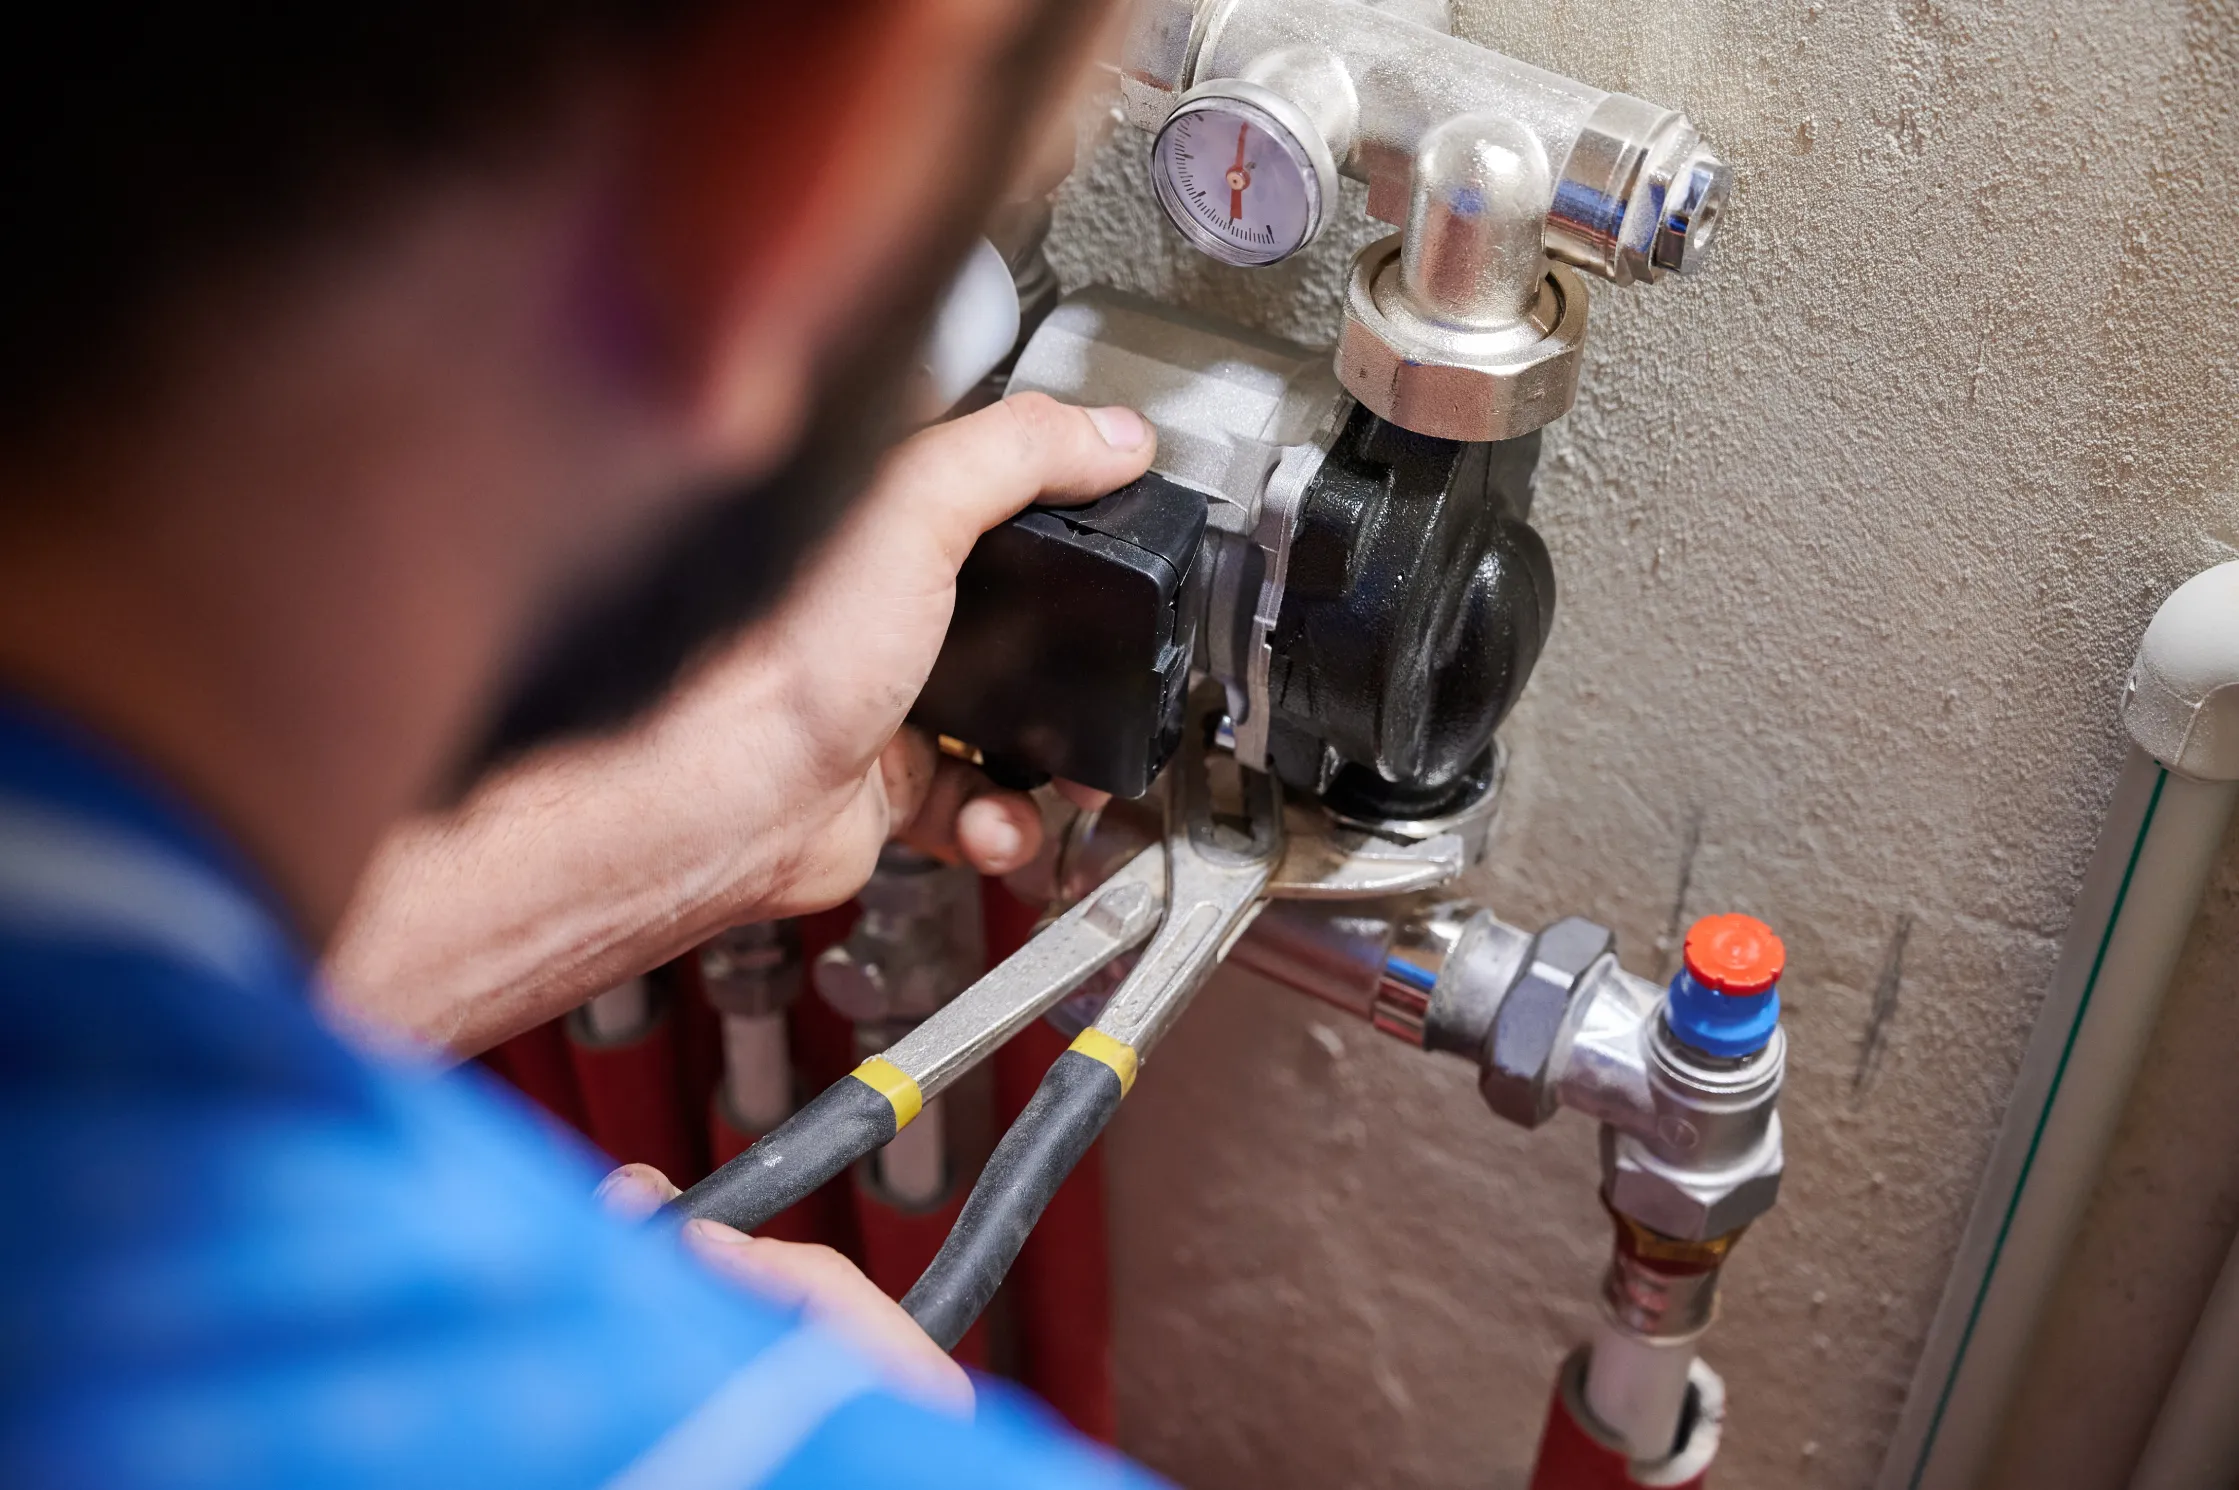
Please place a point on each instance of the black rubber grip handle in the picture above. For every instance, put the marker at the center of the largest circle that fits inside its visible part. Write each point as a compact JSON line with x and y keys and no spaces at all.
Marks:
{"x":1071,"y":1106}
{"x":845,"y":1121}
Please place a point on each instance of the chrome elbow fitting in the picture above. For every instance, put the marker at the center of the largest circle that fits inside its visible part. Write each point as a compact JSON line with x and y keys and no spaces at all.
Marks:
{"x":1461,"y":328}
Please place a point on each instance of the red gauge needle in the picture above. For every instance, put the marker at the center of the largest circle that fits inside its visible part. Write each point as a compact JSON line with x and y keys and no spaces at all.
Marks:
{"x":1238,"y":177}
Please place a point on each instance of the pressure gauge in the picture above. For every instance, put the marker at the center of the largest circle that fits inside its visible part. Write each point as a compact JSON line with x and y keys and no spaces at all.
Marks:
{"x":1243,"y":172}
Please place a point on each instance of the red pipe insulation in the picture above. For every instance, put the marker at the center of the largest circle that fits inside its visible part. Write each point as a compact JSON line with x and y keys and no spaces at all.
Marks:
{"x":538,"y":1064}
{"x":632,"y":1096}
{"x":899,"y":1245}
{"x":1062,"y":1281}
{"x":1574,"y":1455}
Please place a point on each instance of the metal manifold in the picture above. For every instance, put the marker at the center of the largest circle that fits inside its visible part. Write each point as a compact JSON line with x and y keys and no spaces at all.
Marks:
{"x":1305,"y":626}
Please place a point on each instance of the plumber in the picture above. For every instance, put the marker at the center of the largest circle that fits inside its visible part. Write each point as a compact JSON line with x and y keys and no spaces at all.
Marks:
{"x":450,"y":529}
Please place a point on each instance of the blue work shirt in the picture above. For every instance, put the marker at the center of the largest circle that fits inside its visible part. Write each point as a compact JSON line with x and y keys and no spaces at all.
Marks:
{"x":235,"y":1252}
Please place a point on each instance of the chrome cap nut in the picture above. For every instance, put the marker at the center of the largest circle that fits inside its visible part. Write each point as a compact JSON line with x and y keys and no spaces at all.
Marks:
{"x":855,"y":988}
{"x":1691,"y":1205}
{"x":1538,"y":1019}
{"x":1689,"y":224}
{"x":1451,"y":382}
{"x":752,"y":970}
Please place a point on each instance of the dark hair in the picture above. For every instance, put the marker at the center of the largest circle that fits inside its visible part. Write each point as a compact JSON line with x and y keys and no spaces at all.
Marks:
{"x":147,"y":145}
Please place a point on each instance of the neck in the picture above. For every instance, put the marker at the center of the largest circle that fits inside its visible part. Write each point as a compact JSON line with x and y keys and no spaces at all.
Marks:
{"x":114,"y":654}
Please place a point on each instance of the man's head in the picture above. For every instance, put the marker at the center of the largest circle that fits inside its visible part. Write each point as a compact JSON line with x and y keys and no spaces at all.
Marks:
{"x":394,"y":357}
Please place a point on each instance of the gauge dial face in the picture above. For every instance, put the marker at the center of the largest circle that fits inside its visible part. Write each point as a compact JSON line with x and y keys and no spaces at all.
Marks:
{"x":1236,"y":182}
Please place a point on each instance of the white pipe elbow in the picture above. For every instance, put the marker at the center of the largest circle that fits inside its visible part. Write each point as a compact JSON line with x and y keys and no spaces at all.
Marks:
{"x":972,"y":332}
{"x":2182,"y":701}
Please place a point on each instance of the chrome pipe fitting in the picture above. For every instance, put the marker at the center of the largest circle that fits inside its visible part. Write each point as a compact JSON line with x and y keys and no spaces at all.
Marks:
{"x":1313,"y":80}
{"x":1536,"y":1021}
{"x":1472,"y":254}
{"x":752,"y":970}
{"x":1334,"y":953}
{"x":1460,"y":328}
{"x":1691,"y":1145}
{"x":1425,"y":938}
{"x":1394,"y":965}
{"x":1710,"y":1111}
{"x":917,"y":944}
{"x":752,"y":975}
{"x":1701,"y":1156}
{"x":1633,"y":194}
{"x":1691,"y":1200}
{"x":1659,"y":1302}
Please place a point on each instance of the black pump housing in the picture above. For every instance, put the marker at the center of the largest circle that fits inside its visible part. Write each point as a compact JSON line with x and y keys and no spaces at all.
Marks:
{"x":1416,"y":602}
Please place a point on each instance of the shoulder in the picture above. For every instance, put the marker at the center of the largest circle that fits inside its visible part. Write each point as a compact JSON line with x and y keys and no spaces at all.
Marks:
{"x":253,"y":1259}
{"x":808,"y":1415}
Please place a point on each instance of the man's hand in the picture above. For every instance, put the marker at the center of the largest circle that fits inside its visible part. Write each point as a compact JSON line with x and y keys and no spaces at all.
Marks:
{"x":764,"y":788}
{"x":819,"y":1281}
{"x":854,"y":643}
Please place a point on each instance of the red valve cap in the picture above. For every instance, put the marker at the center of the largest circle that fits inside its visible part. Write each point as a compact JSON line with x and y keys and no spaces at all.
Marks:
{"x":1736,"y":955}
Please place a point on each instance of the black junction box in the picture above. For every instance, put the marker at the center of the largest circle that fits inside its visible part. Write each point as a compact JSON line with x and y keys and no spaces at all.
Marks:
{"x":1070,"y":650}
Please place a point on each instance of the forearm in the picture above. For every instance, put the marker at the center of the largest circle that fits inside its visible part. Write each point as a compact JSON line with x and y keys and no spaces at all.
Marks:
{"x":578,"y":868}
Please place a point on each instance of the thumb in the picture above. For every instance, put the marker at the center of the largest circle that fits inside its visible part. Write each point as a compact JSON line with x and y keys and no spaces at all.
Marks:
{"x":636,"y":1191}
{"x":957,"y":480}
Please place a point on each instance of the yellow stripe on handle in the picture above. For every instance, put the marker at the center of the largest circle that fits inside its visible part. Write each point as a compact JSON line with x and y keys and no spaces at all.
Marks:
{"x":1117,"y":1054}
{"x":893,"y":1083}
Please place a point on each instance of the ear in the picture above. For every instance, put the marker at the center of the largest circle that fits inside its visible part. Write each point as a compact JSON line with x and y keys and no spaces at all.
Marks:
{"x":789,"y":153}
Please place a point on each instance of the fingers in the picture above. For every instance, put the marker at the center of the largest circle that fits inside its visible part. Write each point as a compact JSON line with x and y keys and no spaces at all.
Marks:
{"x":825,"y":1285}
{"x":998,"y":832}
{"x":961,"y":478}
{"x":636,"y":1191}
{"x":945,"y":808}
{"x":834,"y":1292}
{"x":907,"y":768}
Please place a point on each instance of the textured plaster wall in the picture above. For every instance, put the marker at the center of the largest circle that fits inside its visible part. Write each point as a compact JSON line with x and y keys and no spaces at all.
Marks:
{"x":1855,"y":536}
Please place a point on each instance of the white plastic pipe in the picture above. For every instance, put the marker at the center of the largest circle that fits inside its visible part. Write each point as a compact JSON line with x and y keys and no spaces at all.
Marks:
{"x":2195,"y":1440}
{"x":913,"y":1167}
{"x":2164,"y":828}
{"x":619,"y":1014}
{"x":757,"y":1070}
{"x":972,"y":332}
{"x":1637,"y":1387}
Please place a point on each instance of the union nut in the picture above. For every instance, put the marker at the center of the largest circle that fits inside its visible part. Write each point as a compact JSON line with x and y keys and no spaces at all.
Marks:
{"x":752,"y":970}
{"x":1688,"y":1203}
{"x":1538,"y":1019}
{"x":1451,"y":382}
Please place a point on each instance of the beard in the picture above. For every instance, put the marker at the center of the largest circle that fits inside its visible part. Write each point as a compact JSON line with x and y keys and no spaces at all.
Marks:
{"x":617,"y":648}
